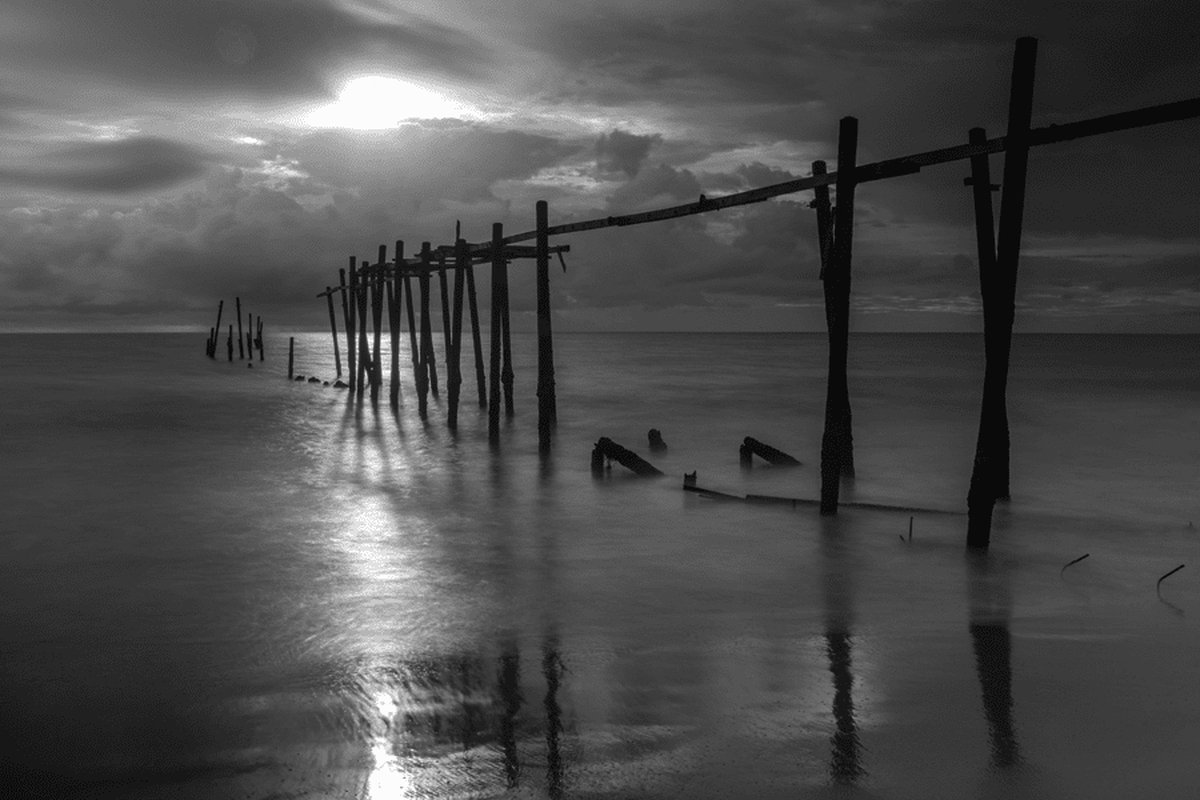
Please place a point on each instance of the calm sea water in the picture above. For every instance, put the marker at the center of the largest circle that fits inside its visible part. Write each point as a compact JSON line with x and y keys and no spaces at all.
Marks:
{"x":216,"y":583}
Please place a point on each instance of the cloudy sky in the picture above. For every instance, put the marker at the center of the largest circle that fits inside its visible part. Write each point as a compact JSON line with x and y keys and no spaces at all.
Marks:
{"x":158,"y":155}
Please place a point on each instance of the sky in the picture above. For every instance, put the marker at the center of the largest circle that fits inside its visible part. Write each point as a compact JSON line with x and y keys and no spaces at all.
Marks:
{"x":157,"y":156}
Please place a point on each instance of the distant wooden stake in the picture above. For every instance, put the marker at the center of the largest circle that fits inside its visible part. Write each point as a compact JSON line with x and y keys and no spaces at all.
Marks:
{"x":494,"y":341}
{"x":545,"y":380}
{"x":217,"y":330}
{"x":241,"y":338}
{"x":337,"y":357}
{"x":837,"y":454}
{"x":291,"y":355}
{"x":229,"y":342}
{"x":473,"y":304}
{"x":1008,"y":251}
{"x":258,"y":338}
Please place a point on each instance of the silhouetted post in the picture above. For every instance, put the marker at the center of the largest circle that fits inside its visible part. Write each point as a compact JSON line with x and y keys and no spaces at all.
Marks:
{"x":993,"y":482}
{"x":426,"y":330}
{"x":547,"y":412}
{"x":494,"y":340}
{"x":348,"y":319}
{"x":210,"y":344}
{"x":364,"y":345}
{"x":241,"y":339}
{"x":394,"y":323}
{"x":258,"y":338}
{"x":506,"y":371}
{"x":445,"y":294}
{"x":217,"y":330}
{"x":337,"y":356}
{"x":837,"y":458}
{"x":291,"y":355}
{"x":229,"y":342}
{"x":462,"y":260}
{"x":377,"y":316}
{"x":473,"y":304}
{"x":824,"y":218}
{"x":414,"y":348}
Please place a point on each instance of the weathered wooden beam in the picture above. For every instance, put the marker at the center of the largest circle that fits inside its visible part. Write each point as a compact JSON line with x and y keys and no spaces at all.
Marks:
{"x":494,"y":340}
{"x":241,"y":338}
{"x":606,"y":448}
{"x":453,"y":360}
{"x":837,"y":449}
{"x":291,"y":353}
{"x":545,"y":379}
{"x":217,"y":333}
{"x":364,"y":345}
{"x":337,"y":356}
{"x":348,"y":312}
{"x":426,"y":333}
{"x":393,"y":295}
{"x":473,"y":306}
{"x":1008,"y":251}
{"x":377,"y":320}
{"x":445,"y":295}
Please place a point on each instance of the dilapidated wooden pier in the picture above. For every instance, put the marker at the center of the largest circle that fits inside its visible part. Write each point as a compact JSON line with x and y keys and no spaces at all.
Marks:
{"x":389,"y":281}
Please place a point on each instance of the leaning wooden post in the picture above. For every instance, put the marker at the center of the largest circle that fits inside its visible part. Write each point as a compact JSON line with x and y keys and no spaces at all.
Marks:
{"x":836,"y":441}
{"x":217,"y":330}
{"x":229,"y":342}
{"x":473,"y":304}
{"x":426,"y":330}
{"x":337,"y":357}
{"x":394,"y":323}
{"x":377,"y":317}
{"x":349,"y":295}
{"x":291,"y":355}
{"x":1003,"y":310}
{"x":241,"y":338}
{"x":545,"y":381}
{"x":494,"y":341}
{"x":413,"y":347}
{"x":462,"y":260}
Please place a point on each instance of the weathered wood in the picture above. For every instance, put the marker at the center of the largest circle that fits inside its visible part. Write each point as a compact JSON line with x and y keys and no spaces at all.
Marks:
{"x":609,"y":449}
{"x":209,"y":345}
{"x":364,"y":321}
{"x":337,"y":356}
{"x":377,"y":318}
{"x":393,"y":298}
{"x":220,"y":308}
{"x":473,"y":305}
{"x":837,"y":458}
{"x":258,"y":338}
{"x":506,"y":371}
{"x":1003,"y":310}
{"x":494,"y":340}
{"x":413,"y":346}
{"x":250,"y":336}
{"x":545,"y":378}
{"x":241,"y":339}
{"x":291,"y":355}
{"x":753,"y":447}
{"x":229,"y":342}
{"x":824,"y":219}
{"x":348,"y":316}
{"x":454,"y":362}
{"x":426,"y":333}
{"x":445,"y":295}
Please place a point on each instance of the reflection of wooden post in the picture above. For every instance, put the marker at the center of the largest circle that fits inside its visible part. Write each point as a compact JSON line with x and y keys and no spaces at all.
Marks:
{"x":348,"y":318}
{"x":545,"y":381}
{"x":462,"y":261}
{"x":494,"y":341}
{"x":837,"y":454}
{"x":337,"y":356}
{"x":241,"y":338}
{"x":394,"y":323}
{"x":426,"y":330}
{"x":510,"y":695}
{"x":1003,"y":290}
{"x":552,"y":669}
{"x":473,"y":305}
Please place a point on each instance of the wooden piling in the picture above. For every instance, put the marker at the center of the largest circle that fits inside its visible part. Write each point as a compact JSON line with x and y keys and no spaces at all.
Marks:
{"x":426,"y":331}
{"x":229,"y":342}
{"x":445,"y":295}
{"x":545,"y":381}
{"x":350,"y":311}
{"x":217,"y":330}
{"x":837,"y":454}
{"x":258,"y":338}
{"x":364,"y":345}
{"x":291,"y":355}
{"x":494,"y":340}
{"x":377,"y":318}
{"x":250,"y":336}
{"x":824,"y":218}
{"x":337,"y":356}
{"x":414,"y":348}
{"x":476,"y":342}
{"x":993,"y":482}
{"x":393,"y":297}
{"x":241,"y":339}
{"x":462,"y":262}
{"x":506,"y":371}
{"x":211,"y":343}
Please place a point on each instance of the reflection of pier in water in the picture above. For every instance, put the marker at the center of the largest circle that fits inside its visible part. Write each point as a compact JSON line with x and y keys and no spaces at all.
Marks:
{"x":990,"y":605}
{"x":844,"y":766}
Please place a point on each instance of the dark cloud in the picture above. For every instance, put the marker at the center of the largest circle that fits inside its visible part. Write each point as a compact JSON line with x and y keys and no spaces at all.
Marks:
{"x":655,"y":186}
{"x":125,"y":165}
{"x":620,"y":151}
{"x":202,"y":48}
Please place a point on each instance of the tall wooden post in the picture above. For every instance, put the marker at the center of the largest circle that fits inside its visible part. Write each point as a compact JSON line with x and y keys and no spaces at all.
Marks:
{"x":426,"y":330}
{"x":210,"y":345}
{"x":494,"y":341}
{"x":394,"y":288}
{"x":258,"y":338}
{"x":473,"y":304}
{"x":249,"y":336}
{"x":413,"y":347}
{"x":993,"y":482}
{"x":445,"y":295}
{"x":217,"y":330}
{"x":291,"y":354}
{"x":837,"y":457}
{"x":547,"y":413}
{"x":229,"y":342}
{"x":377,"y":317}
{"x":348,"y":320}
{"x":364,"y":345}
{"x":337,"y":356}
{"x":824,"y":218}
{"x":462,"y":261}
{"x":506,"y":371}
{"x":241,"y":338}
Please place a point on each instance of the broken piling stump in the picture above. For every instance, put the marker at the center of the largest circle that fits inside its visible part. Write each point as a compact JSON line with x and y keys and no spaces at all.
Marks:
{"x":606,"y":448}
{"x":753,"y":447}
{"x":657,"y":445}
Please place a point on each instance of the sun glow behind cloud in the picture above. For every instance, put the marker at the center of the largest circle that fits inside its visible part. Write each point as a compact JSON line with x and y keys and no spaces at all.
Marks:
{"x":372,"y":102}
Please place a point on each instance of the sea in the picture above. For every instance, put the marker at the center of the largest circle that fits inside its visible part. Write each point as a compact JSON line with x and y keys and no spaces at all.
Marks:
{"x":216,"y":582}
